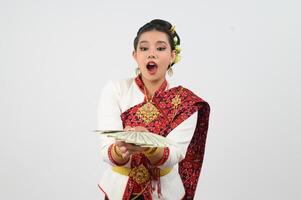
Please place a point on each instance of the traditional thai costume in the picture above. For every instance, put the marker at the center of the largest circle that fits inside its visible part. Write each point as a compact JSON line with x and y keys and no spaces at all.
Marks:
{"x":175,"y":113}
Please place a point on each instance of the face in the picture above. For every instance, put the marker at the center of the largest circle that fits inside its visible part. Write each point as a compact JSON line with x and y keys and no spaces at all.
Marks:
{"x":153,"y":55}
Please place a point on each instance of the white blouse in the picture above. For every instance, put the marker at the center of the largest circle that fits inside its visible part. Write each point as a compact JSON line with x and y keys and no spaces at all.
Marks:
{"x":116,"y":98}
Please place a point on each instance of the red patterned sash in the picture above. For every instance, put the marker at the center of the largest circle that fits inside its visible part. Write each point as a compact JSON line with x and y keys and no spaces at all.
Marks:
{"x":175,"y":105}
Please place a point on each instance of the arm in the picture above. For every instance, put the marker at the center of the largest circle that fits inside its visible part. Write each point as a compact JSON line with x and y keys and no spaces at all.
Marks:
{"x":108,"y":118}
{"x":181,"y":136}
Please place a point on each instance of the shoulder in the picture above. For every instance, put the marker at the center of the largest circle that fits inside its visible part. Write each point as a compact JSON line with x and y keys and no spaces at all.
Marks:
{"x":189,"y":97}
{"x":118,"y":86}
{"x":189,"y":93}
{"x":186,"y":93}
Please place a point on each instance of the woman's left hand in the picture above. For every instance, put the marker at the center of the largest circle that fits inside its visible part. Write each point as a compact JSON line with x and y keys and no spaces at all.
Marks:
{"x":127,"y":149}
{"x":136,"y":128}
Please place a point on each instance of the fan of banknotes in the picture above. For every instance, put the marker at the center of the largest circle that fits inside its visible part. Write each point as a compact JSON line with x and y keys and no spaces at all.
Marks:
{"x":143,"y":139}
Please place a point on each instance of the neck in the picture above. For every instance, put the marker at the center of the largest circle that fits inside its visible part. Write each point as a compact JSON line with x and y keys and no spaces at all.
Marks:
{"x":152,"y":86}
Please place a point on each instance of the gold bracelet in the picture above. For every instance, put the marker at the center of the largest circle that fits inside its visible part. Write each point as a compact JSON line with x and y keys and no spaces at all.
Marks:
{"x":147,"y":150}
{"x":151,"y":151}
{"x":116,"y":152}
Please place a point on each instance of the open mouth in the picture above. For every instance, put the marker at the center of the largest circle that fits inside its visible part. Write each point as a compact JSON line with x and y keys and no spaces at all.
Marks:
{"x":152,"y":67}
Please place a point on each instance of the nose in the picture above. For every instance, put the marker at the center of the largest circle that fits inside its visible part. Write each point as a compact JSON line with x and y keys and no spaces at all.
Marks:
{"x":152,"y":54}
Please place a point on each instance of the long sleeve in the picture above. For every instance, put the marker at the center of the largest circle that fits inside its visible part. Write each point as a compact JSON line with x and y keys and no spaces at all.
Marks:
{"x":108,"y":117}
{"x":181,"y":137}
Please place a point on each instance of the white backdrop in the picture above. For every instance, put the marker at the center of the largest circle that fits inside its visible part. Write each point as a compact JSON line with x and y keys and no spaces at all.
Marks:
{"x":243,"y":57}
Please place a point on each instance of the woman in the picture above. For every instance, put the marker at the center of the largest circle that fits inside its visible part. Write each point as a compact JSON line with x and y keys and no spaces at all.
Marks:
{"x":149,"y":103}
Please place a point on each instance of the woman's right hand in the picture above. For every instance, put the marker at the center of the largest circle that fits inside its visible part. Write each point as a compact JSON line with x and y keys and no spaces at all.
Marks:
{"x":128,"y":149}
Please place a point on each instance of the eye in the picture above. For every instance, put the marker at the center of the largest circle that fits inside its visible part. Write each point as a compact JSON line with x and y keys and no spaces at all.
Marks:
{"x":143,"y":48}
{"x":161,"y":48}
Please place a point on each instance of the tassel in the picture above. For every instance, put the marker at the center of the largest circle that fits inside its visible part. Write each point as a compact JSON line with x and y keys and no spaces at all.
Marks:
{"x":159,"y":188}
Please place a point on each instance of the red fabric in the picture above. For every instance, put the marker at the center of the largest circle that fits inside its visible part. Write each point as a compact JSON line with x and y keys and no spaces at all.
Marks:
{"x":168,"y":119}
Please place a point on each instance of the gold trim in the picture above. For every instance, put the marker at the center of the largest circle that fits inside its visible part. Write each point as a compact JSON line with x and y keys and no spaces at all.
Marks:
{"x":151,"y":151}
{"x":140,"y":174}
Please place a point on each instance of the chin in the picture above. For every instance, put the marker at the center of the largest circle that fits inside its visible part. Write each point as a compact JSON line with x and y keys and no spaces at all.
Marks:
{"x":153,"y":78}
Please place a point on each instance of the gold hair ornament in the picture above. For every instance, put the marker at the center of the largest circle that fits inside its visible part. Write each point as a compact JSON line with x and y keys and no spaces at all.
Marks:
{"x":173,"y":29}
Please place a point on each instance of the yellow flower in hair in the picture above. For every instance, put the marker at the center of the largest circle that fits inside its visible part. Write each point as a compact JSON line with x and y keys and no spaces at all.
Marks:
{"x":178,"y":49}
{"x":175,"y":40}
{"x":173,"y":29}
{"x":177,"y":46}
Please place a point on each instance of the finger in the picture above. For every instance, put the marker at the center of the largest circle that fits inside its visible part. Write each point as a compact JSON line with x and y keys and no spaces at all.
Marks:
{"x":140,"y":128}
{"x":126,"y":155}
{"x":131,"y":147}
{"x":123,"y":149}
{"x":128,"y":128}
{"x":119,"y":143}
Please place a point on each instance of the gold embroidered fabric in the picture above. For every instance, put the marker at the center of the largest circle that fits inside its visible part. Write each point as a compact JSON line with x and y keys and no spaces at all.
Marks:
{"x":176,"y":101}
{"x":140,"y":174}
{"x":148,"y":112}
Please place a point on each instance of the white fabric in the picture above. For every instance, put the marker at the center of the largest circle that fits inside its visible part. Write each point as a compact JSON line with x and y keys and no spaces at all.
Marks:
{"x":115,"y":99}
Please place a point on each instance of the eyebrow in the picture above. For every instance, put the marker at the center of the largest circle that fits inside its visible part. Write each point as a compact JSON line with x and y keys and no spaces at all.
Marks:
{"x":160,"y":42}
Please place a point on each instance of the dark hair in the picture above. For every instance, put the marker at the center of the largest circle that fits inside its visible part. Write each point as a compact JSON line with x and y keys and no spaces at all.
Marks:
{"x":162,"y":26}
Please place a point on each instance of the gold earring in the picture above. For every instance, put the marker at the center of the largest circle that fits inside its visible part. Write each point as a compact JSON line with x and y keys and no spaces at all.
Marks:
{"x":170,"y":71}
{"x":137,"y":71}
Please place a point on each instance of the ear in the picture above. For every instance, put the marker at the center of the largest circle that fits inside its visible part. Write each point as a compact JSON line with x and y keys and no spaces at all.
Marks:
{"x":173,"y":56}
{"x":134,"y":54}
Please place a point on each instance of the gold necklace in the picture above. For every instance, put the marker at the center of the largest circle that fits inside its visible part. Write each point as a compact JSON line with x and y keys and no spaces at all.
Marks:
{"x":148,"y":112}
